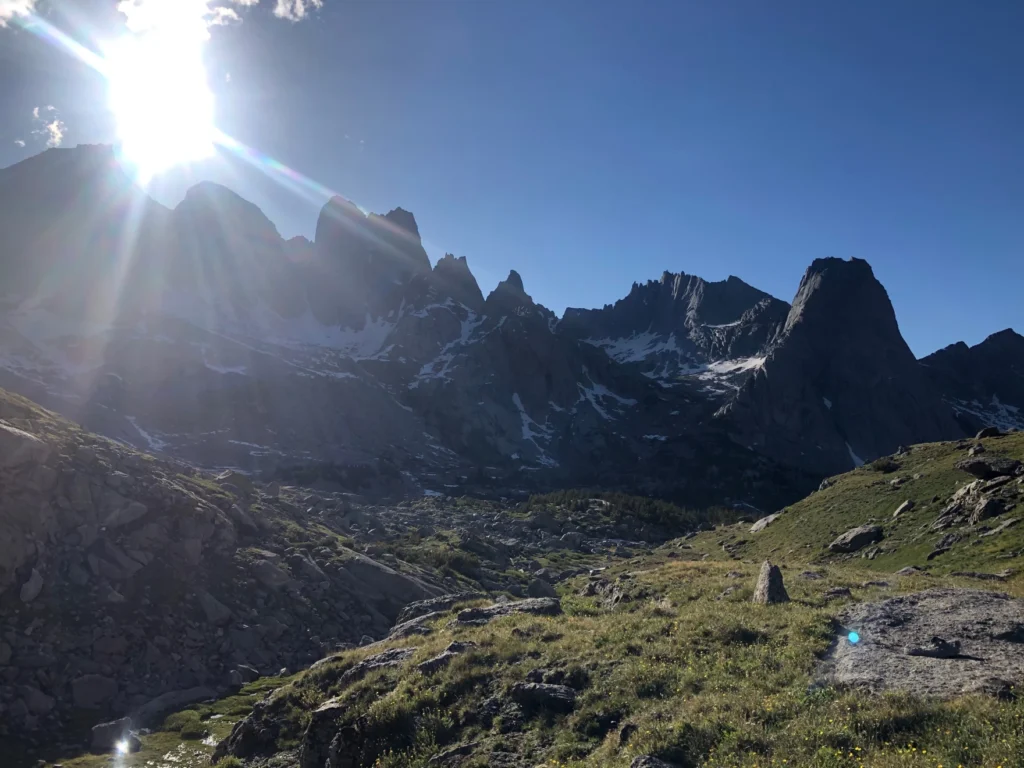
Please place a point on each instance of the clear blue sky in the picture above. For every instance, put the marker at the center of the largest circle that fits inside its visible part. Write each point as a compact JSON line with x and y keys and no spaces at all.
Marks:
{"x":588,"y":144}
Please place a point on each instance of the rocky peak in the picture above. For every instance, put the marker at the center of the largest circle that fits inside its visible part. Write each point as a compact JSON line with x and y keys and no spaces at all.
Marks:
{"x":843,"y":375}
{"x":216,"y":205}
{"x":403,"y":219}
{"x":835,"y":292}
{"x":453,"y":278}
{"x":510,"y":292}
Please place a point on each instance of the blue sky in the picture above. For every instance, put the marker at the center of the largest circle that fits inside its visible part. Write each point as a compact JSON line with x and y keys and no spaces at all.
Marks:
{"x":588,"y":144}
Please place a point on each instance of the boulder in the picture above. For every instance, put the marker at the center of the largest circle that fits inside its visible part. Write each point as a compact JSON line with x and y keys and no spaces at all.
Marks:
{"x":126,"y":515}
{"x":270,"y":575}
{"x":216,"y":612}
{"x":237,"y":479}
{"x":988,"y":467}
{"x":93,"y":691}
{"x":988,"y":432}
{"x":540,"y":606}
{"x":540,"y":588}
{"x":764,"y":522}
{"x":30,"y":589}
{"x":857,"y":538}
{"x":552,"y":698}
{"x":444,"y":658}
{"x":38,"y":703}
{"x":434,"y":605}
{"x":106,"y":736}
{"x":906,"y":506}
{"x":770,"y":589}
{"x":18,"y":448}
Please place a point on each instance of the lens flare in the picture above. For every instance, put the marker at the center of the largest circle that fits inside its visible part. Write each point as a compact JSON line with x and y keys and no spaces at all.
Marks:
{"x":853,"y":637}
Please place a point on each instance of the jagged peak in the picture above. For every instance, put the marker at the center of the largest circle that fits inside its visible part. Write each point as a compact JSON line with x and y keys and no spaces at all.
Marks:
{"x":403,"y":219}
{"x":511,"y":287}
{"x":455,"y":278}
{"x":515,"y":281}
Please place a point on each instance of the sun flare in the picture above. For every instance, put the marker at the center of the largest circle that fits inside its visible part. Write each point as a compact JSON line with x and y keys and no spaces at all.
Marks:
{"x":161,"y":100}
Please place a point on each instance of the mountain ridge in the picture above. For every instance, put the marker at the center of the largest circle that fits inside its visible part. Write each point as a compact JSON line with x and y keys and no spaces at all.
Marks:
{"x":353,"y":349}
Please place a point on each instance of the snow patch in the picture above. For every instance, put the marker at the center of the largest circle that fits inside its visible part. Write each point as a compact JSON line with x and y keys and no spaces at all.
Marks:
{"x":154,"y":443}
{"x":857,"y":460}
{"x":827,"y":402}
{"x":660,"y":438}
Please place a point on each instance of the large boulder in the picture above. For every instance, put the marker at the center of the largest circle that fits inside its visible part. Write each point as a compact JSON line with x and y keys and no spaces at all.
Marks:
{"x":169,"y":702}
{"x":857,"y":538}
{"x":989,"y":467}
{"x":764,"y":522}
{"x":539,"y":606}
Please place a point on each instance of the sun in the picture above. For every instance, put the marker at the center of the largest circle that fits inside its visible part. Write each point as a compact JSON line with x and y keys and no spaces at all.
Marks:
{"x":161,"y":101}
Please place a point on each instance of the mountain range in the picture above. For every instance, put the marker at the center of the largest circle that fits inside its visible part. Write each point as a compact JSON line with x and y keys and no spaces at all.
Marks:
{"x":200,"y":333}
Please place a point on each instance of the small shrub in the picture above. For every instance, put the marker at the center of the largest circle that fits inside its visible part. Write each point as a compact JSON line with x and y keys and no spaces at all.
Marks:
{"x":230,"y":762}
{"x":194,"y":730}
{"x":884,"y":464}
{"x":187,"y":718}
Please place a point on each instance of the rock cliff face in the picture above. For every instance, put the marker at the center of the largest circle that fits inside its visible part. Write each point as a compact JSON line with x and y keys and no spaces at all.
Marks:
{"x":985,"y":383}
{"x":202,"y":334}
{"x":682,"y":325}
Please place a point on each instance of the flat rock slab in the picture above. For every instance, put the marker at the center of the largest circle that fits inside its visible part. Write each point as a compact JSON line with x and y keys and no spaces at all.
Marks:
{"x":984,"y":623}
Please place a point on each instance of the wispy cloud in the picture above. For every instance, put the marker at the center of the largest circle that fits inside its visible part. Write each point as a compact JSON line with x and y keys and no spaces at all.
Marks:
{"x":51,"y":130}
{"x":11,"y":8}
{"x":20,"y":142}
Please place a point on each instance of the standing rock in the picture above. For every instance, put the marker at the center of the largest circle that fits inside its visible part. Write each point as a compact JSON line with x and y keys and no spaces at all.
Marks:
{"x":770,"y":588}
{"x":857,"y":538}
{"x":30,"y":589}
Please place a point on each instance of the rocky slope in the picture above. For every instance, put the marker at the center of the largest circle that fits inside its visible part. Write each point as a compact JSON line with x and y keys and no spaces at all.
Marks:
{"x":131,"y":584}
{"x":201,"y":334}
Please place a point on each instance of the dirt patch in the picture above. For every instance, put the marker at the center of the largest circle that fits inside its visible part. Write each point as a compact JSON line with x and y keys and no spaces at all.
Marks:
{"x":906,"y":644}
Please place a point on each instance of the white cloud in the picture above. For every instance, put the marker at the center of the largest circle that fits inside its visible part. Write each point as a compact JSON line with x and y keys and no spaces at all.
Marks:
{"x":296,"y":10}
{"x":20,"y":142}
{"x":193,"y":18}
{"x":11,"y":8}
{"x":50,"y":130}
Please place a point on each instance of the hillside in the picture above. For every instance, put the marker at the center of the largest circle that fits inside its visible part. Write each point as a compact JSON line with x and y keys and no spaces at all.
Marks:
{"x":660,"y":655}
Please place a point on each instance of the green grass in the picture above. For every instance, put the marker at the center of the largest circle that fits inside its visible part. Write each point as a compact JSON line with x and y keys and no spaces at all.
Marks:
{"x":674,"y":672}
{"x":806,"y":528}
